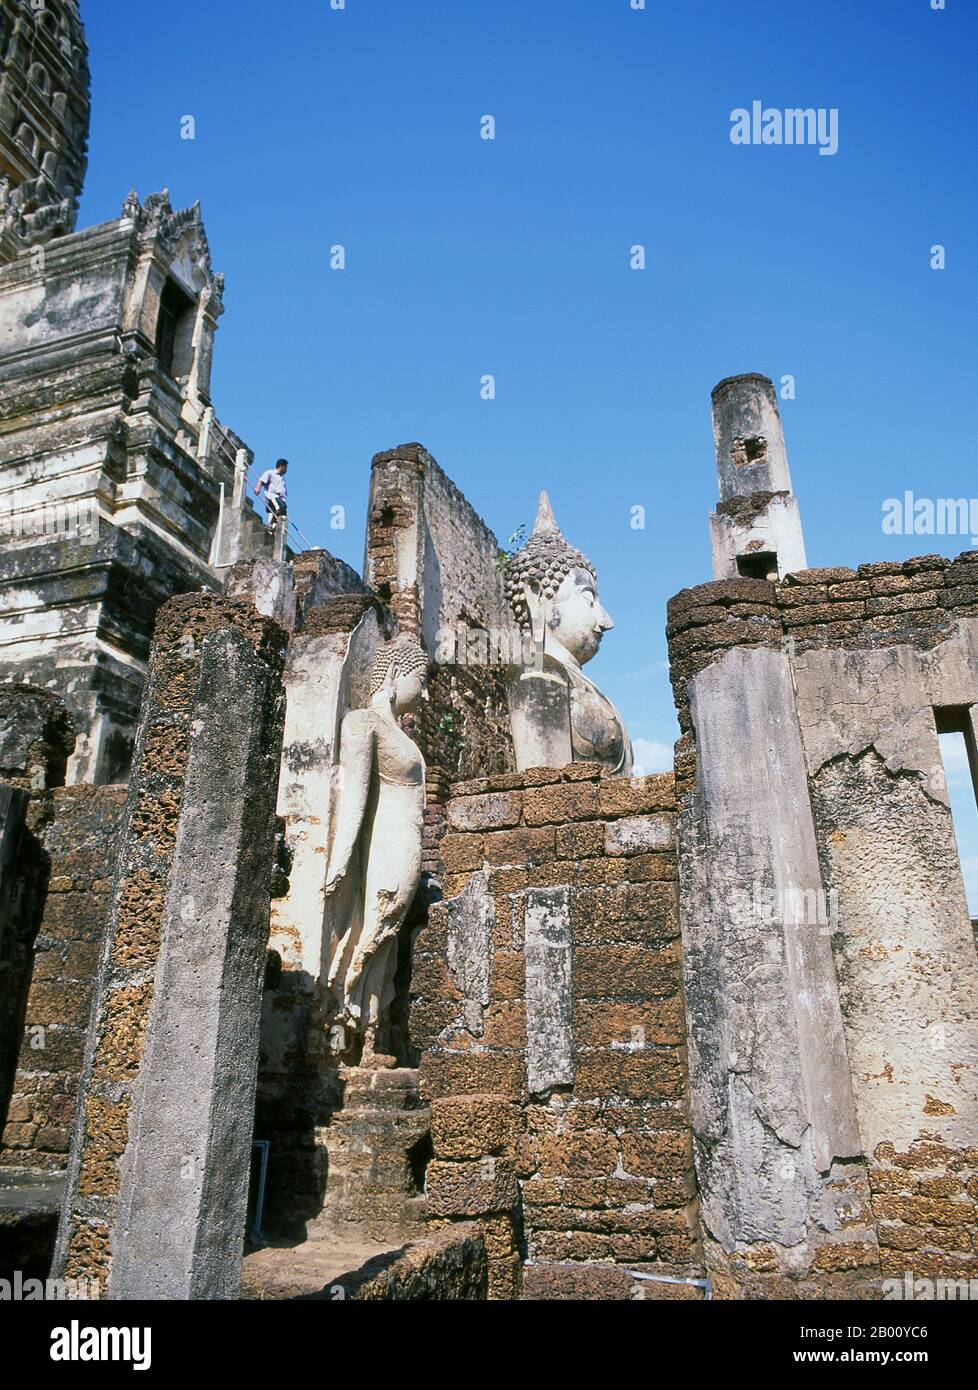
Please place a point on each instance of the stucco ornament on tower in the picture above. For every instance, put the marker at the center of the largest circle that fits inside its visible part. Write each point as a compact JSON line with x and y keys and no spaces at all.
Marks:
{"x":375,"y":851}
{"x":557,"y":714}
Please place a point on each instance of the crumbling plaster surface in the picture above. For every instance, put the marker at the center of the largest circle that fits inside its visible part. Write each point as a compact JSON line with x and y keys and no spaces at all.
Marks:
{"x":851,"y":700}
{"x":470,"y":922}
{"x":769,"y":1076}
{"x":772,"y":527}
{"x":904,"y":946}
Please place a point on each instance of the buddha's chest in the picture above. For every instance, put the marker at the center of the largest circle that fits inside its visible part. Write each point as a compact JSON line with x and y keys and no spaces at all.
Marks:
{"x":596,"y":732}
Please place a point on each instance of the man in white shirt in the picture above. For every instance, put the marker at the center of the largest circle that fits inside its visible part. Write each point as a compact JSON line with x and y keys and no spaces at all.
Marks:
{"x":273,"y":481}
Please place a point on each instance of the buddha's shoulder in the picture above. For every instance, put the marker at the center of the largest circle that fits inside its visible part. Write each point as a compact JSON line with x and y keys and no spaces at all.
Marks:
{"x":360,"y":721}
{"x":549,"y":670}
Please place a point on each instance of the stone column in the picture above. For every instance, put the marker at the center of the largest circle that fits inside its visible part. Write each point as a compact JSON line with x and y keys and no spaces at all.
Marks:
{"x":157,"y":1183}
{"x":749,"y":440}
{"x":773,"y":1114}
{"x":756,"y":529}
{"x":903,"y":942}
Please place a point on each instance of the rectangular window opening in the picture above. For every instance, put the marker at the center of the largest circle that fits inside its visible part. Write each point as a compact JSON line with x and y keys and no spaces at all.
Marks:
{"x":959,"y":754}
{"x":176,"y":311}
{"x":760,"y":564}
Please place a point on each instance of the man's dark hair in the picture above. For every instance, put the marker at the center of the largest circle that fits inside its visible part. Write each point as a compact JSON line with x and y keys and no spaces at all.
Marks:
{"x":279,"y":463}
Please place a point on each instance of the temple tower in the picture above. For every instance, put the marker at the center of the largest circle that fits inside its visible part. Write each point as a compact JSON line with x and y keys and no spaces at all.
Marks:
{"x":756,"y":528}
{"x":119,"y":487}
{"x":44,"y":111}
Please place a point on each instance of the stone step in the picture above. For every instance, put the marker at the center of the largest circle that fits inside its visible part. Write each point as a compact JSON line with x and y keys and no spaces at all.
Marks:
{"x":375,"y":1130}
{"x":436,"y":1266}
{"x":371,"y":1180}
{"x":380,"y":1098}
{"x":381,"y":1078}
{"x":381,"y":1220}
{"x":382,"y":1089}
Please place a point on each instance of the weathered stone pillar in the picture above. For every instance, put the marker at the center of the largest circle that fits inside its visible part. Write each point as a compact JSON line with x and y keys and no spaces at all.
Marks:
{"x":903,"y":943}
{"x":157,"y":1183}
{"x":547,"y":1005}
{"x":772,"y":1107}
{"x":756,"y":528}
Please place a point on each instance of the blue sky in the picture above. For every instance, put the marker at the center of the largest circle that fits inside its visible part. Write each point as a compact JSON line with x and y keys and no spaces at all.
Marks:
{"x":361,"y":127}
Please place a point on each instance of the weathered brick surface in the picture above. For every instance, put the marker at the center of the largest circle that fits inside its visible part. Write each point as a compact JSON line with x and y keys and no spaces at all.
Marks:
{"x":146,"y":840}
{"x":471,"y":1188}
{"x":37,"y":735}
{"x":605,"y":1164}
{"x":881,"y":604}
{"x":925,"y":1203}
{"x":75,"y":828}
{"x":469,"y":1127}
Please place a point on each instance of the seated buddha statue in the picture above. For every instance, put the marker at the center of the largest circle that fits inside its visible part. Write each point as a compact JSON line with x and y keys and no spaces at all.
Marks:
{"x":557,"y":714}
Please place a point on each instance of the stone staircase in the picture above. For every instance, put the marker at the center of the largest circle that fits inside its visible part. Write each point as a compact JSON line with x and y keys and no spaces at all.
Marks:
{"x":377,"y":1145}
{"x":372,"y":1224}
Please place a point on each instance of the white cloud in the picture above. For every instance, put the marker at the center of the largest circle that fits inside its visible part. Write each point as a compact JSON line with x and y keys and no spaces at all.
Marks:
{"x":651,"y":756}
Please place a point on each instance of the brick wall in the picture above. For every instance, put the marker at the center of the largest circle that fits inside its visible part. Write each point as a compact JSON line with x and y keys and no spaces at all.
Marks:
{"x":434,"y":562}
{"x":462,"y":729}
{"x":876,"y":605}
{"x":75,"y":829}
{"x":594,"y":1163}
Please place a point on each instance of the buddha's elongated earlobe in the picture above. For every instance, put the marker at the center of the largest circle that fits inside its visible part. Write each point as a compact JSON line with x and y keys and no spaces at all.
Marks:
{"x":536,"y":607}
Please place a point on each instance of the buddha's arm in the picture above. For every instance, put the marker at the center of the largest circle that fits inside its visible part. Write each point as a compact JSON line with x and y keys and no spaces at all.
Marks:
{"x":539,"y":712}
{"x":355,"y":768}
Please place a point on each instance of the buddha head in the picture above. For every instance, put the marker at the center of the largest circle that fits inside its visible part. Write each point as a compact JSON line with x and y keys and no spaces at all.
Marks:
{"x":400,"y":675}
{"x":553,"y":591}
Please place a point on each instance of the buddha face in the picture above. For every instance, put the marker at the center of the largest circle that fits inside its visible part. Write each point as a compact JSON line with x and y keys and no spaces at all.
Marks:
{"x":576,"y":619}
{"x":409,"y":691}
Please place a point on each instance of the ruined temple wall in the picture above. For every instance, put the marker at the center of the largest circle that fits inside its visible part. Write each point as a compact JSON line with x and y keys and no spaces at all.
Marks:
{"x":39,"y":311}
{"x":54,"y":884}
{"x":114,"y":471}
{"x":867,"y":657}
{"x":436,"y":564}
{"x":428,"y":553}
{"x":74,"y":830}
{"x":547,"y":1004}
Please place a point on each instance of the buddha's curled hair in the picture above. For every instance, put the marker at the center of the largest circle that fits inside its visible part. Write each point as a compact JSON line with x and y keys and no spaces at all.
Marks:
{"x":543,"y":563}
{"x":401,"y":657}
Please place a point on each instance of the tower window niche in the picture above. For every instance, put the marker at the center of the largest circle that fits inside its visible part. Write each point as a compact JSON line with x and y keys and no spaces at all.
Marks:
{"x":758,"y":564}
{"x":175,"y":331}
{"x":959,"y":754}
